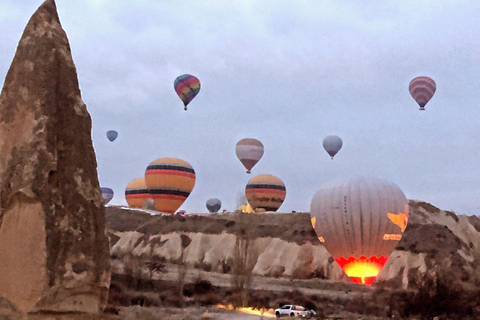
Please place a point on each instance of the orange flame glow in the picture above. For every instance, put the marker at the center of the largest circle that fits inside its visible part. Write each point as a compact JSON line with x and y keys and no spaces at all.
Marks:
{"x":362,"y":270}
{"x":246,"y":208}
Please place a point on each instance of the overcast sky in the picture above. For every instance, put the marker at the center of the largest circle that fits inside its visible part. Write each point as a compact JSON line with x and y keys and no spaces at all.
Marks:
{"x":287,"y":73}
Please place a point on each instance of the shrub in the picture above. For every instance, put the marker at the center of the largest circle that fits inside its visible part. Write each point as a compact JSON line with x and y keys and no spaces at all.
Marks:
{"x":310,"y":305}
{"x":172,"y":300}
{"x":209,"y":299}
{"x":189,"y":290}
{"x":436,"y":296}
{"x":202,"y":287}
{"x":260,"y":300}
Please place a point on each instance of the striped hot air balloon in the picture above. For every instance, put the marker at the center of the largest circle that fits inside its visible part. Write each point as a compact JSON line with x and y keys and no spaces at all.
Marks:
{"x":137,"y":193}
{"x":265,"y":192}
{"x":170,"y":182}
{"x":107,"y":194}
{"x":360,"y":222}
{"x":187,"y":87}
{"x":422,"y":90}
{"x":249,"y":151}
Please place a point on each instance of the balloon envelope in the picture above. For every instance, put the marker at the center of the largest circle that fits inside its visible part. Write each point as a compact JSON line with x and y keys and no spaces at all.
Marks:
{"x":265,"y":192}
{"x":249,"y":151}
{"x":137,"y":193}
{"x":360,"y":222}
{"x":112,"y":135}
{"x":170,"y":182}
{"x":187,"y":88}
{"x":107,"y":195}
{"x":213,"y":205}
{"x":422,"y":90}
{"x":332,"y":144}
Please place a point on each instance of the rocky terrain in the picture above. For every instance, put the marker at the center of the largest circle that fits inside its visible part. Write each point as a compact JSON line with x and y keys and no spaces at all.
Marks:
{"x":285,"y":245}
{"x":54,"y":250}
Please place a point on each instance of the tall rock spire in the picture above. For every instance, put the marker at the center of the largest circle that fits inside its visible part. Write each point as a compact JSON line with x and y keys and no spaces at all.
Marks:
{"x":54,"y":252}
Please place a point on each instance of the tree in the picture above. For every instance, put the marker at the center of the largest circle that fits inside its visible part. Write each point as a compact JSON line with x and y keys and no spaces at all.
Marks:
{"x":243,"y":261}
{"x":182,"y":267}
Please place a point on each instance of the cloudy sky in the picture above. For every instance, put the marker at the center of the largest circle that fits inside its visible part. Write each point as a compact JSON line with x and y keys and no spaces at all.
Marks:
{"x":287,"y":73}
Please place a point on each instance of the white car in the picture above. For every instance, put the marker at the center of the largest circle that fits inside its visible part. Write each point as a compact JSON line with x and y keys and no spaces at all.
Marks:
{"x":294,"y":311}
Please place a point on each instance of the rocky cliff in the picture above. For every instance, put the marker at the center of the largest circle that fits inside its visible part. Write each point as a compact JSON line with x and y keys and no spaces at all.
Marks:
{"x":285,"y":245}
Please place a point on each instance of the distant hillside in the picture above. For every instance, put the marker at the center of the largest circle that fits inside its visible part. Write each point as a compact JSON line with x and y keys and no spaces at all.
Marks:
{"x":286,"y":244}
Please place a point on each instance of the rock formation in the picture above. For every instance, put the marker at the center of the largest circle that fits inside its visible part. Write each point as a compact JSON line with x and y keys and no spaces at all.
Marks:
{"x":53,"y":247}
{"x":285,"y":245}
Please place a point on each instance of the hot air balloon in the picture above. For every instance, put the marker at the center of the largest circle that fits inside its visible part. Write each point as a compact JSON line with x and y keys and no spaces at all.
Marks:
{"x":187,"y":87}
{"x":249,"y":151}
{"x":107,"y":195}
{"x":137,"y":193}
{"x":213,"y":205}
{"x":265,"y":192}
{"x":332,"y":144}
{"x":112,"y":135}
{"x":422,"y":90}
{"x":360,"y":222}
{"x":170,"y":182}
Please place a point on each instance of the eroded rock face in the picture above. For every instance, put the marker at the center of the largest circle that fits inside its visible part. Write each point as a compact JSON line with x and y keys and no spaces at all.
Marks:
{"x":282,"y":245}
{"x":53,"y":247}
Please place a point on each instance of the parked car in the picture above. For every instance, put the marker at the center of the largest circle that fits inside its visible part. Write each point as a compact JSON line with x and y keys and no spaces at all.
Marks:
{"x":294,"y":311}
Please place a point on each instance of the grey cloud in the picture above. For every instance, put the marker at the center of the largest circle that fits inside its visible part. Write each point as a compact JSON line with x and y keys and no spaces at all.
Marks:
{"x":287,"y":73}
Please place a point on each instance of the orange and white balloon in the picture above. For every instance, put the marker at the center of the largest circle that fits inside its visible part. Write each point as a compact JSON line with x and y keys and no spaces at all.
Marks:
{"x":170,"y":182}
{"x":265,"y":192}
{"x":136,"y":193}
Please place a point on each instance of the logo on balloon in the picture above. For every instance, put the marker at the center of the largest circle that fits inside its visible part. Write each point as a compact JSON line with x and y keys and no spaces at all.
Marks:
{"x":401,"y":220}
{"x":396,"y":237}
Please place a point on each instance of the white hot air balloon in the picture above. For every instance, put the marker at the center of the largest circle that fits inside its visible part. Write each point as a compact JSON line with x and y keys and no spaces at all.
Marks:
{"x":360,"y":222}
{"x":332,"y":144}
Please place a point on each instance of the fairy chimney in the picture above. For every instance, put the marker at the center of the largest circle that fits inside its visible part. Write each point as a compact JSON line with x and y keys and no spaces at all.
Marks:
{"x":54,"y":254}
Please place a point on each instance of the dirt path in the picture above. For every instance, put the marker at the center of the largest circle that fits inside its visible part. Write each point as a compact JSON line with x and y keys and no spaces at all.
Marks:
{"x":191,"y":313}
